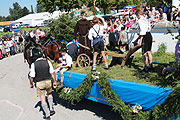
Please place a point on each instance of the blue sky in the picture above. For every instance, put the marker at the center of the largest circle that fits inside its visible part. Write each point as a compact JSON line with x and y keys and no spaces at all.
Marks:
{"x":6,"y":4}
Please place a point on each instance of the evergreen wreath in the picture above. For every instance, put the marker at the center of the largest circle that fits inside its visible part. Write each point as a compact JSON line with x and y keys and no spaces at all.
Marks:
{"x":169,"y":108}
{"x":76,"y":95}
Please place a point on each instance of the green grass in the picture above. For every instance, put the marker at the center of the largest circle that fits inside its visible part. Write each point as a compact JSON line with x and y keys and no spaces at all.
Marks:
{"x":132,"y":73}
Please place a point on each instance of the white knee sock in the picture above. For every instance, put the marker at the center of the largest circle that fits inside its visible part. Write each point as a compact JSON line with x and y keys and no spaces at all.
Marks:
{"x":50,"y":101}
{"x":46,"y":110}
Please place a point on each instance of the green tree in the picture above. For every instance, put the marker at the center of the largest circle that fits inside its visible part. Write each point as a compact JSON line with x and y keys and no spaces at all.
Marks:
{"x":159,"y":2}
{"x":63,"y":28}
{"x":8,"y":18}
{"x":49,"y":5}
{"x":40,"y":8}
{"x":24,"y":12}
{"x":17,"y":12}
{"x":67,"y":5}
{"x":104,"y":4}
{"x":2,"y":18}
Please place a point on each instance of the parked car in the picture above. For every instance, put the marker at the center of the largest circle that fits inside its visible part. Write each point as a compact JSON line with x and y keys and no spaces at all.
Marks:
{"x":14,"y":25}
{"x":7,"y":28}
{"x":26,"y":25}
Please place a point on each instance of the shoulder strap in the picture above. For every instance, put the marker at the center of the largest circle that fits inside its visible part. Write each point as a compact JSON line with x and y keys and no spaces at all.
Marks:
{"x":96,"y":31}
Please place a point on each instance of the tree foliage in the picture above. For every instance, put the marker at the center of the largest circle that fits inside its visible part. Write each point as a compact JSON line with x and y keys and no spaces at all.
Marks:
{"x":157,"y":3}
{"x":63,"y":28}
{"x":40,"y":8}
{"x":104,"y":4}
{"x":48,"y":5}
{"x":15,"y":13}
{"x":2,"y":18}
{"x":67,"y":5}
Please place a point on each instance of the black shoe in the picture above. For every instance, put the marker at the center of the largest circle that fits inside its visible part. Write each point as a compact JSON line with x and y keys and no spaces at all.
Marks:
{"x":145,"y":70}
{"x":52,"y":112}
{"x":150,"y":67}
{"x":46,"y":118}
{"x":106,"y":68}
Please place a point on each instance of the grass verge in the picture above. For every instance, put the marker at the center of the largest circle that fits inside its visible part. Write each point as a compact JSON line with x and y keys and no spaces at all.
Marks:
{"x":131,"y":73}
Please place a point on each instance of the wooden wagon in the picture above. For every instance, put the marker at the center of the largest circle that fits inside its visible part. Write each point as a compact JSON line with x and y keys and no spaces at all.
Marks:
{"x":84,"y":60}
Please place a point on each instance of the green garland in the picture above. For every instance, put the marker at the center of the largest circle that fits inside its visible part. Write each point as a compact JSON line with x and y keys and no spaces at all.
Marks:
{"x":169,"y":108}
{"x":78,"y":93}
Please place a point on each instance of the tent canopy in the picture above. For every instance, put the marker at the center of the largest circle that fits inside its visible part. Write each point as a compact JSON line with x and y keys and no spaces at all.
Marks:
{"x":129,"y":6}
{"x":5,"y":23}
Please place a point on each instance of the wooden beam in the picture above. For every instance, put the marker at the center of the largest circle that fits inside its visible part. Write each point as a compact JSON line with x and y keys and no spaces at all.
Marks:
{"x":115,"y":54}
{"x":133,"y":50}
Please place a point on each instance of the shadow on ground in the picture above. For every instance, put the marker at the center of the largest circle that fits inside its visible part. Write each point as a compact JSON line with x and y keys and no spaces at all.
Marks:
{"x":154,"y":76}
{"x":101,"y":110}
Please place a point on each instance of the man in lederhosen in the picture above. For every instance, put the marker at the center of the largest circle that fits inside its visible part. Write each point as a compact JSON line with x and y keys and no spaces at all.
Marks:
{"x":66,"y":64}
{"x":81,"y":29}
{"x":145,"y":37}
{"x":41,"y":73}
{"x":96,"y":35}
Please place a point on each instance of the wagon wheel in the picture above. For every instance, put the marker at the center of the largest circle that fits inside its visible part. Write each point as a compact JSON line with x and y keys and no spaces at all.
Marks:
{"x":83,"y":60}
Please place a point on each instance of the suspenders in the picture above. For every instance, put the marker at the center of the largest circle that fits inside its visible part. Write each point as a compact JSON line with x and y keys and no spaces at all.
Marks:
{"x":97,"y":37}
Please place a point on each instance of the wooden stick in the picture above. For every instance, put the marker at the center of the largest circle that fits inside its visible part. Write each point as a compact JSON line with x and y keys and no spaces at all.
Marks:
{"x":83,"y":46}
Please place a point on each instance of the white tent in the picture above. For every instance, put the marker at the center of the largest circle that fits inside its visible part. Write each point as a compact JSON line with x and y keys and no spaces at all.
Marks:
{"x":176,"y":3}
{"x":117,"y":14}
{"x":38,"y":19}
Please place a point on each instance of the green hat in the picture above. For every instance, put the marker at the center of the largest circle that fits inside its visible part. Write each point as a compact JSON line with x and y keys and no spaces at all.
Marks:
{"x":37,"y":53}
{"x":82,"y":12}
{"x":63,"y":48}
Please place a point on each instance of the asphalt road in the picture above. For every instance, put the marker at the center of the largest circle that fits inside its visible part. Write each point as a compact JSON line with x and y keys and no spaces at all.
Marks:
{"x":19,"y":102}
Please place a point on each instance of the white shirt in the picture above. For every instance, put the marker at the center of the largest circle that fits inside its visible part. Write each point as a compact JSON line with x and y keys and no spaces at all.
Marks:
{"x":144,"y":26}
{"x":32,"y":70}
{"x":119,"y":27}
{"x":1,"y":45}
{"x":38,"y":32}
{"x":163,"y":16}
{"x":31,"y":34}
{"x":99,"y":29}
{"x":42,"y":33}
{"x":67,"y":60}
{"x":10,"y":43}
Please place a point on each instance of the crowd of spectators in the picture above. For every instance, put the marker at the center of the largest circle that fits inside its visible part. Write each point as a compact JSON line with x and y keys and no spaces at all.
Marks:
{"x":11,"y":45}
{"x":128,"y":20}
{"x":14,"y":44}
